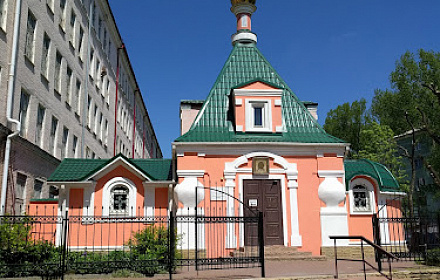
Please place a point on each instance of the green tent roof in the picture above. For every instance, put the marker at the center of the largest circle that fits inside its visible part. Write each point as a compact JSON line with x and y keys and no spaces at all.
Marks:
{"x":73,"y":170}
{"x":375,"y":170}
{"x":246,"y":64}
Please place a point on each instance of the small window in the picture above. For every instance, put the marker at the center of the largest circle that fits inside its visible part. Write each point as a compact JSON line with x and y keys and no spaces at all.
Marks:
{"x":258,"y":116}
{"x":23,"y":115}
{"x":3,"y":12}
{"x":20,"y":186}
{"x":53,"y":192}
{"x":30,"y":36}
{"x":119,"y":201}
{"x":361,"y":199}
{"x":38,"y":187}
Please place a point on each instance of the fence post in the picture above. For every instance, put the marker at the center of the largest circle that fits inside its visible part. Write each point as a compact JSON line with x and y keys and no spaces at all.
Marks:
{"x":65,"y":226}
{"x":376,"y":236}
{"x":172,"y":244}
{"x":261,"y":243}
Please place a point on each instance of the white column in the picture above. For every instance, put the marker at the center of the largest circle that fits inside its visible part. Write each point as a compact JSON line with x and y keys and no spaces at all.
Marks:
{"x":149,"y":201}
{"x":295,"y":238}
{"x":231,"y":238}
{"x":333,"y":218}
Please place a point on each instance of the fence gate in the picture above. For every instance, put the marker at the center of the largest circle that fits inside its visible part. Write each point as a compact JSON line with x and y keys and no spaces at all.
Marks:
{"x":408,"y":234}
{"x":210,"y":236}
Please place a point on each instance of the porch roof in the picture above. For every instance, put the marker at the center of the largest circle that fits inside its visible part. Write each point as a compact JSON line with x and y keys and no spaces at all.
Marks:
{"x":377,"y":171}
{"x":74,"y":170}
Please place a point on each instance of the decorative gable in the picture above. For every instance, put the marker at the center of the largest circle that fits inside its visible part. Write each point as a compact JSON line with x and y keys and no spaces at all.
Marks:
{"x":257,"y":108}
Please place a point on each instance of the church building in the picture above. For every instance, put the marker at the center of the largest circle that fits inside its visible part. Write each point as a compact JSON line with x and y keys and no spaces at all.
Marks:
{"x":255,"y":142}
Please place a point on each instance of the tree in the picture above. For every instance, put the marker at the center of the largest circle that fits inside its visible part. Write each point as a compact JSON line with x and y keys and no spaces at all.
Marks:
{"x":347,"y":121}
{"x":414,"y":101}
{"x":369,"y":139}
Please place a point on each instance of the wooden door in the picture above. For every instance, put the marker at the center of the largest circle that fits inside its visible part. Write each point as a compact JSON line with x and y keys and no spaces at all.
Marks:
{"x":264,"y":196}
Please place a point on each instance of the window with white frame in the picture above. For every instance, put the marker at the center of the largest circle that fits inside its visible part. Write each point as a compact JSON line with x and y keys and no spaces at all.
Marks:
{"x":57,"y":73}
{"x":53,"y":133}
{"x":72,"y":28}
{"x":30,"y":36}
{"x":74,"y":145}
{"x":45,"y":56}
{"x":23,"y":115}
{"x":49,"y":4}
{"x":3,"y":13}
{"x":69,"y":85}
{"x":80,"y":42}
{"x":38,"y":188}
{"x":119,"y":197}
{"x":258,"y":116}
{"x":63,"y":14}
{"x":119,"y":201}
{"x":41,"y":112}
{"x":78,"y":97}
{"x":361,"y":195}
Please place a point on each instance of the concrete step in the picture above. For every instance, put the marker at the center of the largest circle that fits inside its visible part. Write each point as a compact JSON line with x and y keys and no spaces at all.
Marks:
{"x":278,"y":253}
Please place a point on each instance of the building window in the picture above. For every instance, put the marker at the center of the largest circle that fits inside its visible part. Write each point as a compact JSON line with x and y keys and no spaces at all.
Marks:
{"x":53,"y":133}
{"x":39,"y":127}
{"x":361,"y":199}
{"x":77,"y":97}
{"x":24,"y":105}
{"x":64,"y":150}
{"x":53,"y":192}
{"x":74,"y":145}
{"x":30,"y":36}
{"x":3,"y":13}
{"x":361,"y":196}
{"x":89,"y":103}
{"x":49,"y":3}
{"x":63,"y":14}
{"x":38,"y":187}
{"x":258,"y":116}
{"x":119,"y":201}
{"x":45,"y":56}
{"x":119,"y":197}
{"x":58,"y":61}
{"x":80,"y":42}
{"x":69,"y":85}
{"x":20,"y":193}
{"x":72,"y":28}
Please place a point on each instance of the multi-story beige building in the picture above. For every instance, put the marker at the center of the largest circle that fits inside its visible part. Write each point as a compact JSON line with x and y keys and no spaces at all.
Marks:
{"x":67,"y":89}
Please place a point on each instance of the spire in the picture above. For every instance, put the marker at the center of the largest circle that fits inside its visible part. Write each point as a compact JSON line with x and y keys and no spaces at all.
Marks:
{"x":243,"y":10}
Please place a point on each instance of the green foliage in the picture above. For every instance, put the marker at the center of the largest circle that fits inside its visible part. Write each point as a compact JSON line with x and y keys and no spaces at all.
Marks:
{"x":414,"y":101}
{"x":433,"y":257}
{"x":347,"y":121}
{"x":22,"y":256}
{"x":377,"y":144}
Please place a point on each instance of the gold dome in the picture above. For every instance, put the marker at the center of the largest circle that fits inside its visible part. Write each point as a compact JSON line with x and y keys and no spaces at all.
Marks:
{"x":238,"y":2}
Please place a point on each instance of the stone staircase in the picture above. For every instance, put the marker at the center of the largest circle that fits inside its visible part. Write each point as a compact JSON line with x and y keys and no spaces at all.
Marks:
{"x":278,"y":253}
{"x":282,"y":253}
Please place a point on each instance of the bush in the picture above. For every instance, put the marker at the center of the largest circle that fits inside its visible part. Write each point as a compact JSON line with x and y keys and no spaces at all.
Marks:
{"x":433,"y":257}
{"x":22,"y":256}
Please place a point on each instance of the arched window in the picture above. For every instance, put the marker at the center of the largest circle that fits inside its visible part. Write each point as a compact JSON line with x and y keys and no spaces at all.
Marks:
{"x":361,"y":199}
{"x":119,"y":197}
{"x":361,"y":196}
{"x":119,"y":201}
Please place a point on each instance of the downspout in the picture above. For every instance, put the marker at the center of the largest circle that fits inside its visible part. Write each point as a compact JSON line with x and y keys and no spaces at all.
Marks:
{"x":116,"y":98}
{"x":11,"y":84}
{"x":134,"y":123}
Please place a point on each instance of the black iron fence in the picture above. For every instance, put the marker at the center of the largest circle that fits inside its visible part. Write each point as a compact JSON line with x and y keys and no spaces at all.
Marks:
{"x":162,"y":242}
{"x":410,"y":233}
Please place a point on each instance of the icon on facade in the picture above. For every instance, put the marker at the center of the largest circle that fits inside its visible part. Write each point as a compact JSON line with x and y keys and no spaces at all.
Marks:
{"x":260,"y":166}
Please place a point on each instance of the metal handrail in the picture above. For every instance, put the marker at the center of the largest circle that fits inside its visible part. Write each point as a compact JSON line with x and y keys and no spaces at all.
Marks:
{"x":375,"y":246}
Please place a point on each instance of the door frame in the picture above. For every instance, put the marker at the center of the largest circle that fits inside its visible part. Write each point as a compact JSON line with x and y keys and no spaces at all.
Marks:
{"x":282,"y":179}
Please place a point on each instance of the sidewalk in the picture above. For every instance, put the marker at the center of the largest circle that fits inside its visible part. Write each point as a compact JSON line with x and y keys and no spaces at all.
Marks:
{"x":290,"y":270}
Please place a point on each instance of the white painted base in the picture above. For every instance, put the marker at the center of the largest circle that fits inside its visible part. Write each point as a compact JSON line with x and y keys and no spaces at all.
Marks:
{"x":187,"y":231}
{"x":296,"y":240}
{"x":333,"y":222}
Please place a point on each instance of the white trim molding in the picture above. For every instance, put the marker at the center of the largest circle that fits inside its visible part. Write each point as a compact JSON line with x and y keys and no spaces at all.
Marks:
{"x":190,"y":173}
{"x":132,"y":191}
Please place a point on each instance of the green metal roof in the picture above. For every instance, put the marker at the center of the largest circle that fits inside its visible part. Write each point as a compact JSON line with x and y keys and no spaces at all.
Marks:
{"x":375,"y":170}
{"x":246,"y":64}
{"x":73,"y":170}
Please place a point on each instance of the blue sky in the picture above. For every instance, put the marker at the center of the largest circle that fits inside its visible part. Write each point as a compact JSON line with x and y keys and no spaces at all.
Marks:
{"x":328,"y":52}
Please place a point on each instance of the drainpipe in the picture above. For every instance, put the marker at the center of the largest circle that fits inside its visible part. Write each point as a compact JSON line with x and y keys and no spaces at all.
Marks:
{"x":11,"y":84}
{"x":116,"y":98}
{"x":134,"y":123}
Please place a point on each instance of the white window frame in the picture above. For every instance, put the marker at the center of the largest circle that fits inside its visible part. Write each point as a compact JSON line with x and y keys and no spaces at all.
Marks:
{"x":370,"y":197}
{"x":3,"y":14}
{"x":266,"y":106}
{"x":106,"y":197}
{"x":252,"y":102}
